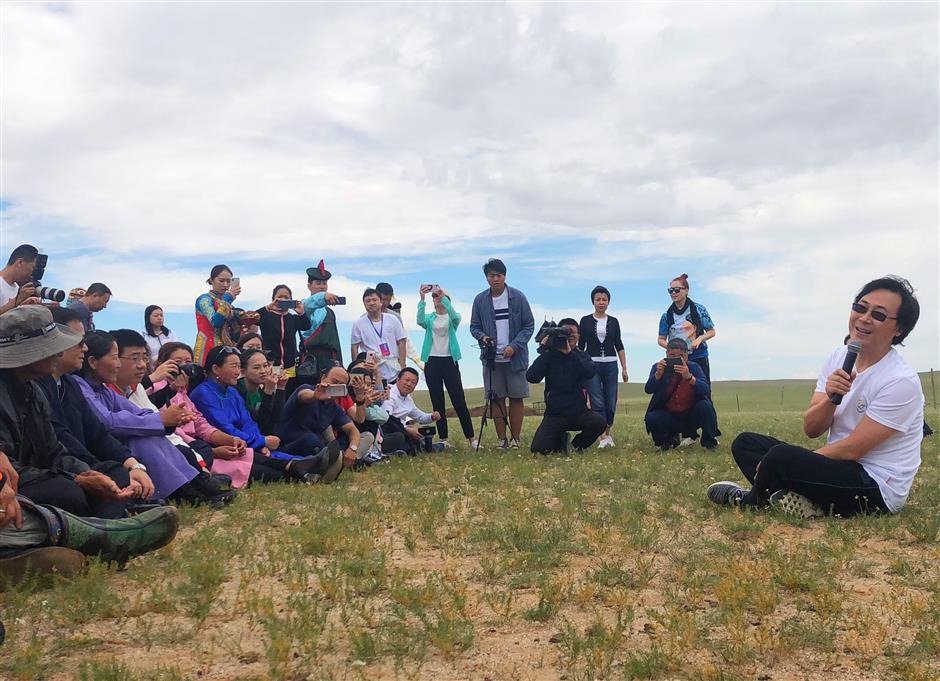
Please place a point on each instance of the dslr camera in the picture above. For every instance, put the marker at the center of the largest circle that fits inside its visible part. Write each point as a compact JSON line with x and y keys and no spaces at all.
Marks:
{"x":39,"y":271}
{"x":557,"y":336}
{"x":190,"y":369}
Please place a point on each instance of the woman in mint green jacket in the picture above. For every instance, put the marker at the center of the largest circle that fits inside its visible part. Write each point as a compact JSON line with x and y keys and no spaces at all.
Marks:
{"x":440,"y":354}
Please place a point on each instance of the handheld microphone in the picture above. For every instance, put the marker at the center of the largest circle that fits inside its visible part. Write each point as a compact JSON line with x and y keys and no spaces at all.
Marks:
{"x":854,"y":347}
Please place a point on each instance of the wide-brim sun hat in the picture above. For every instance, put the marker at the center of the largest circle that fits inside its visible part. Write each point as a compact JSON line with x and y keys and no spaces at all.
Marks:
{"x":28,"y":334}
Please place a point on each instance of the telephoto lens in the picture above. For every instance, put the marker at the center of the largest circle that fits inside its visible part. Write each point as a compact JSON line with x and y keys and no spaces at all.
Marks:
{"x":49,"y":293}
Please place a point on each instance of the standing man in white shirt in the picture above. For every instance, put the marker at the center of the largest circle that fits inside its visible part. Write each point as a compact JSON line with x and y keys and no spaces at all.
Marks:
{"x":501,"y":315}
{"x":16,"y":287}
{"x":380,"y":333}
{"x":873,"y":450}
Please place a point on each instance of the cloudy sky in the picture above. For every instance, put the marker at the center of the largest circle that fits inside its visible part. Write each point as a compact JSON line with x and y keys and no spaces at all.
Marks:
{"x":780,"y":154}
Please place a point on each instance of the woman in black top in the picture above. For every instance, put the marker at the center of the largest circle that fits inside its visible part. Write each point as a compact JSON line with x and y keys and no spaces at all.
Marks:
{"x":280,"y":324}
{"x":600,"y":338}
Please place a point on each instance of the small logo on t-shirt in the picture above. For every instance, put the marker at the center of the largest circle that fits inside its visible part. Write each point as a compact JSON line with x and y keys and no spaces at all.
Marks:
{"x":862,"y":405}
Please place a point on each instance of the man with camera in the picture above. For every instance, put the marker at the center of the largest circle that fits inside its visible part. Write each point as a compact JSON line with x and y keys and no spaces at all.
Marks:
{"x":501,"y":320}
{"x":566,"y":371}
{"x":310,"y":411}
{"x":16,"y":279}
{"x":401,"y":406}
{"x":681,"y":399}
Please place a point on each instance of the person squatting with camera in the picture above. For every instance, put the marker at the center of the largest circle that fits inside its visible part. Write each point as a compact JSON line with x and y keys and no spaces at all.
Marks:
{"x":566,"y":372}
{"x":681,"y":400}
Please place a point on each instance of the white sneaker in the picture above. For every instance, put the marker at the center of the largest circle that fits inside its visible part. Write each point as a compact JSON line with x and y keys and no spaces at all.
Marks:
{"x":474,"y":445}
{"x":795,"y":504}
{"x":605,"y":442}
{"x":686,"y":442}
{"x":445,"y":444}
{"x":514,"y":443}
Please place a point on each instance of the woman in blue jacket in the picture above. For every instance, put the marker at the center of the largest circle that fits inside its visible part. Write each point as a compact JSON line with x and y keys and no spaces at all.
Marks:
{"x":440,"y":354}
{"x":219,"y":401}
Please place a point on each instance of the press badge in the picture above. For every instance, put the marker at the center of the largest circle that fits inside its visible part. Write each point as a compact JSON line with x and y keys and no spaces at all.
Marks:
{"x":383,"y":348}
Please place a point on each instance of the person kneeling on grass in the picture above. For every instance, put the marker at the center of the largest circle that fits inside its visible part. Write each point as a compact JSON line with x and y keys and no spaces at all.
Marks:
{"x":312,"y":417}
{"x":681,"y":400}
{"x":566,"y":371}
{"x":873,"y":451}
{"x":401,"y":407}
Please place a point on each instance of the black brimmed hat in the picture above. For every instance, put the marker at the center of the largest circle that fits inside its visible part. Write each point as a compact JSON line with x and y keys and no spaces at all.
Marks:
{"x":318,"y":273}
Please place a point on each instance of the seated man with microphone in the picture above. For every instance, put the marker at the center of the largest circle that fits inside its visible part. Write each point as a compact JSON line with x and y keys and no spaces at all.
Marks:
{"x":681,"y":399}
{"x":871,"y":403}
{"x":566,"y":371}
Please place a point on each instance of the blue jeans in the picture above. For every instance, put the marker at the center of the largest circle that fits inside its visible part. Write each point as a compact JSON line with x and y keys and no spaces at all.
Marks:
{"x":603,"y":390}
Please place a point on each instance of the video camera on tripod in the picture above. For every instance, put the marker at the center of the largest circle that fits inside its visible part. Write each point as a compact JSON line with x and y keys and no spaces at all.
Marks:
{"x":557,"y":336}
{"x":488,"y":352}
{"x":39,"y":271}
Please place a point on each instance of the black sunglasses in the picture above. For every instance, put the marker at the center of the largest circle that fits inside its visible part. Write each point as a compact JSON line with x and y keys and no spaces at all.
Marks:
{"x":674,"y":289}
{"x":877,"y":315}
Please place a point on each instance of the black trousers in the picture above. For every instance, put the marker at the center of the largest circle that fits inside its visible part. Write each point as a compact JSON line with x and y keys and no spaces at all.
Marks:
{"x":665,"y":426}
{"x":268,"y":469}
{"x":444,"y":372}
{"x":841,"y":487}
{"x":550,"y":435}
{"x":64,"y":493}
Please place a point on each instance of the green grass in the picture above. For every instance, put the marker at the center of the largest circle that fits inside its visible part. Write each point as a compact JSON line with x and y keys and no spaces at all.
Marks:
{"x":608,"y":565}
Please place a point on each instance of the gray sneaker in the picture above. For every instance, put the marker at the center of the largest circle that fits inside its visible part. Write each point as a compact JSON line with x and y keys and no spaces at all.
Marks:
{"x":726,"y":493}
{"x":796,"y":505}
{"x":514,"y":444}
{"x":503,"y":444}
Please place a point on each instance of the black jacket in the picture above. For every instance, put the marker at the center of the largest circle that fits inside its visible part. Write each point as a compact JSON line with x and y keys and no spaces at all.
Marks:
{"x":26,"y":433}
{"x":279,"y":333}
{"x":565,"y":376}
{"x":77,"y":426}
{"x":267,"y":414}
{"x":588,"y":342}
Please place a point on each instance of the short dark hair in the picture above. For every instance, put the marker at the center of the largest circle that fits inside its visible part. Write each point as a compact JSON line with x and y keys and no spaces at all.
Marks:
{"x":678,"y":344}
{"x":23,"y":252}
{"x":600,"y":289}
{"x":370,"y":292}
{"x":278,"y":288}
{"x":384,"y":288}
{"x":99,"y":344}
{"x":247,"y":337}
{"x":408,"y":370}
{"x":64,"y":315}
{"x":98,"y":289}
{"x":128,"y":338}
{"x":216,"y":271}
{"x":168,"y":349}
{"x":494,"y":265}
{"x":909,"y":310}
{"x":567,"y":321}
{"x":248,"y":354}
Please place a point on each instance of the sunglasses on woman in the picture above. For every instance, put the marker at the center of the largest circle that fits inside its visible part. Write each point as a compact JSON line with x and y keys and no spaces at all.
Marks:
{"x":877,"y":315}
{"x":674,"y":289}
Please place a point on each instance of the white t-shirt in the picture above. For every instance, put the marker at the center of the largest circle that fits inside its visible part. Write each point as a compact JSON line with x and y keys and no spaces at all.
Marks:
{"x":440,"y":336}
{"x":601,"y":335}
{"x":381,"y":338}
{"x":7,"y":291}
{"x":889,"y":393}
{"x":501,"y":314}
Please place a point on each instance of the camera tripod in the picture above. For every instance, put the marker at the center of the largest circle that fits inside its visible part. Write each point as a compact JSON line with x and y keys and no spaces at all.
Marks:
{"x":491,"y":400}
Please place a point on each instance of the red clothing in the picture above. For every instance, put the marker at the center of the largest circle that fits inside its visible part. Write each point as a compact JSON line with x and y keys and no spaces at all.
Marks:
{"x":345,"y":402}
{"x":682,"y":398}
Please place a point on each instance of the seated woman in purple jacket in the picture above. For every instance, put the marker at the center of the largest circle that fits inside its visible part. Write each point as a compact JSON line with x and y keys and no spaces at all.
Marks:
{"x":142,"y":430}
{"x":219,"y":401}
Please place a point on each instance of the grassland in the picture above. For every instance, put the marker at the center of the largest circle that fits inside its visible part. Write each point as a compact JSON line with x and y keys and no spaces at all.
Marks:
{"x":500,"y":565}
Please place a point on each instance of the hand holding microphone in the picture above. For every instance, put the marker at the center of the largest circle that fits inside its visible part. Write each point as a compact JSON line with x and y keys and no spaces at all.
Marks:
{"x":840,"y":381}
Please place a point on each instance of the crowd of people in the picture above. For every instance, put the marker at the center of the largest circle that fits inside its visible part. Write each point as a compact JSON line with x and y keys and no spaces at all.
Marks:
{"x":102,"y":433}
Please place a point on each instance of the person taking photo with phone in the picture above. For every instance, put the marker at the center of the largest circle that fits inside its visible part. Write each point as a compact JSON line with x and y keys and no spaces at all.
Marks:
{"x":280,"y":322}
{"x":214,"y":309}
{"x":320,"y":348}
{"x":440,"y":355}
{"x":681,"y":400}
